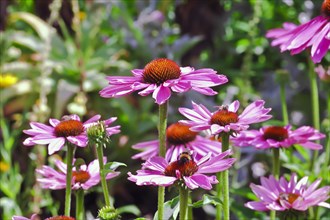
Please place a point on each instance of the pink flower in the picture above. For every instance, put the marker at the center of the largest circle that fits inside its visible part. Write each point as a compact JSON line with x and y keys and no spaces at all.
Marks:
{"x":36,"y":217}
{"x":159,"y":77}
{"x":85,"y":178}
{"x":69,"y":129}
{"x":33,"y":217}
{"x":277,"y":137}
{"x":225,"y":119}
{"x":179,"y":139}
{"x":283,"y":195}
{"x":314,"y":34}
{"x":323,"y":73}
{"x":158,"y":172}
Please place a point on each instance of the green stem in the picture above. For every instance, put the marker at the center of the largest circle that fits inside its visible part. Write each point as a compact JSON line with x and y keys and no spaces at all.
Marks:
{"x":276,"y":173}
{"x":162,"y":128}
{"x":315,"y":106}
{"x":276,"y":162}
{"x":161,"y":197}
{"x":80,"y":204}
{"x":183,"y":202}
{"x":99,"y":151}
{"x":219,"y":195}
{"x":225,"y":179}
{"x":190,"y":208}
{"x":69,"y":158}
{"x":327,"y":144}
{"x":284,"y":105}
{"x":162,"y":151}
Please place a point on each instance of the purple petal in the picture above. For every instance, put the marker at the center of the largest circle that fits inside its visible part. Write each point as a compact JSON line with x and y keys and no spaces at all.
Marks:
{"x":93,"y":119}
{"x":54,"y":122}
{"x":149,"y":89}
{"x":259,"y":206}
{"x":233,"y":107}
{"x":205,"y":91}
{"x":116,"y":91}
{"x":156,"y":164}
{"x":161,"y":94}
{"x":55,"y":145}
{"x":80,"y":140}
{"x":320,"y":44}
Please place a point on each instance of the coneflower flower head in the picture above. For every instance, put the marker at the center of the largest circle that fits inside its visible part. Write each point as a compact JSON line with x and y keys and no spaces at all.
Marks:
{"x":185,"y":170}
{"x":282,"y":195}
{"x":69,"y":129}
{"x":314,"y":34}
{"x":100,"y":132}
{"x":83,"y":176}
{"x":108,"y":213}
{"x":179,"y":139}
{"x":225,"y":118}
{"x":160,"y":77}
{"x":279,"y":137}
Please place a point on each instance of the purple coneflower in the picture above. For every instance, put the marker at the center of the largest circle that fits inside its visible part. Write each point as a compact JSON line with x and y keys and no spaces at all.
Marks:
{"x":323,"y":73}
{"x":85,"y":177}
{"x":279,"y":137}
{"x":36,"y":217}
{"x":159,"y":77}
{"x":281,"y":195}
{"x":179,"y":139}
{"x":225,"y":119}
{"x":157,"y":171}
{"x":314,"y":34}
{"x":69,"y":129}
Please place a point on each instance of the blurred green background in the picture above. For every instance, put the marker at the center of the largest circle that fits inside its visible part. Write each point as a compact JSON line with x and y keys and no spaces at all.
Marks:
{"x":55,"y":55}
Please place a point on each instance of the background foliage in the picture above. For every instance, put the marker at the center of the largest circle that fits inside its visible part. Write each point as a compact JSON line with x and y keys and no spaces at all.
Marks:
{"x":61,"y":55}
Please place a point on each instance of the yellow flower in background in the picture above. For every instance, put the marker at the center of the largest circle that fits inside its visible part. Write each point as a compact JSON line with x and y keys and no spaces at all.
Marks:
{"x":82,"y":15}
{"x":4,"y":166}
{"x":7,"y":80}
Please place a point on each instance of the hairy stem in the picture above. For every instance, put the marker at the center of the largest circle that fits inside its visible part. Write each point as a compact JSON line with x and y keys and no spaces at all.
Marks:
{"x":276,"y":173}
{"x":80,"y":204}
{"x":183,"y":202}
{"x":105,"y":189}
{"x":69,"y":158}
{"x":284,"y":105}
{"x":225,"y":180}
{"x":315,"y":106}
{"x":162,"y":151}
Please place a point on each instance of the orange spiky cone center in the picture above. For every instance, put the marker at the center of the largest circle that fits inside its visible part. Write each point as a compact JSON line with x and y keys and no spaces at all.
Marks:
{"x":69,"y":128}
{"x":81,"y":176}
{"x":224,"y":117}
{"x":326,"y":8}
{"x":179,"y":134}
{"x":290,"y":197}
{"x":277,"y":133}
{"x":160,"y":70}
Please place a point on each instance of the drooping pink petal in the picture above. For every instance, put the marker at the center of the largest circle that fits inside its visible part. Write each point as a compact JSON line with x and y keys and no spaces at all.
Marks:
{"x":259,"y":206}
{"x":80,"y":140}
{"x":161,"y":94}
{"x":55,"y":145}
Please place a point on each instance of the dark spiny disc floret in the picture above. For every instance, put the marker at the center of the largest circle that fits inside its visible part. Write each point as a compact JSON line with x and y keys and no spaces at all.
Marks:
{"x":161,"y":70}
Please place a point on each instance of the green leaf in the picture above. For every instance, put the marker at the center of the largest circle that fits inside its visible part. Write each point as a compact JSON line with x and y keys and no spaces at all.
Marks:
{"x":113,"y":165}
{"x":132,"y":209}
{"x":171,"y":209}
{"x":41,"y":27}
{"x":207,"y":199}
{"x":295,"y":168}
{"x":78,"y":162}
{"x":302,"y":151}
